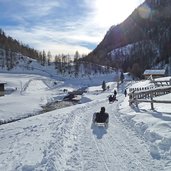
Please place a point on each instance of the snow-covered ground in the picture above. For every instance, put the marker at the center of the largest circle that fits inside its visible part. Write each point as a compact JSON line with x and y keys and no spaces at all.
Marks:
{"x":65,"y":139}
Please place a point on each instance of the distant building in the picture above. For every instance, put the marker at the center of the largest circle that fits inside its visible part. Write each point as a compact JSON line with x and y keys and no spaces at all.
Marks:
{"x":155,"y":73}
{"x":2,"y":57}
{"x":2,"y":89}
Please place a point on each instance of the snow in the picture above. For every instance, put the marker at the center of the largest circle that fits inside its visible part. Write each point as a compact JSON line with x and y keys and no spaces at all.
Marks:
{"x":125,"y":50}
{"x":157,"y":72}
{"x":64,"y":139}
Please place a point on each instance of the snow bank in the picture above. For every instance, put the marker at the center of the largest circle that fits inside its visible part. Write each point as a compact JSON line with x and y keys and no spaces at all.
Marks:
{"x":153,"y":125}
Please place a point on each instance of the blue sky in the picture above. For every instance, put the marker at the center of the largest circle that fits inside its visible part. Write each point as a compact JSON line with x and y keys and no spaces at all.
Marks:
{"x":63,"y":26}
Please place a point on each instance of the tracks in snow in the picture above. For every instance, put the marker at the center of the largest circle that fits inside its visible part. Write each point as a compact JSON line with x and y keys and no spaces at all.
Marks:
{"x":118,"y":148}
{"x":75,"y":145}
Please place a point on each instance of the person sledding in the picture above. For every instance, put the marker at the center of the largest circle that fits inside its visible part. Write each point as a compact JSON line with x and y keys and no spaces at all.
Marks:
{"x":112,"y":98}
{"x":101,"y":117}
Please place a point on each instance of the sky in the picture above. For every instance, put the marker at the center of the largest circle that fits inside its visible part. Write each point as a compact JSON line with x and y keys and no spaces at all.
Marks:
{"x":62,"y":26}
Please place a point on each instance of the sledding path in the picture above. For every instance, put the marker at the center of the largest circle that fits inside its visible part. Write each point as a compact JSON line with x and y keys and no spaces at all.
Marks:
{"x":65,"y":140}
{"x":116,"y":148}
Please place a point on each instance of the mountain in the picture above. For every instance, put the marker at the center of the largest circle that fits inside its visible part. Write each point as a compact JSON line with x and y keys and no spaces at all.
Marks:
{"x":142,"y":41}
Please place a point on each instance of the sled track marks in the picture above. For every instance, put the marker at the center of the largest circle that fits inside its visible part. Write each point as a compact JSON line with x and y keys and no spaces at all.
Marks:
{"x":128,"y":159}
{"x":109,"y":156}
{"x":102,"y":154}
{"x":116,"y":155}
{"x":63,"y":150}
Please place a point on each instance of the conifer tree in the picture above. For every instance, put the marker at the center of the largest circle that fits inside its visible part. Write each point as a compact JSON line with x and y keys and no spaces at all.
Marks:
{"x":104,"y":85}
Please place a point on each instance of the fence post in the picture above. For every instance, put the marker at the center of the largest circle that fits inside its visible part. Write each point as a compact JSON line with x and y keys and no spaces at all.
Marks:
{"x":151,"y":97}
{"x":136,"y":102}
{"x":130,"y":99}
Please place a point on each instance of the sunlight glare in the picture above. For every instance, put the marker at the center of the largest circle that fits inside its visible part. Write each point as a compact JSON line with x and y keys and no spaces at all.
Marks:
{"x":111,"y":12}
{"x":145,"y":11}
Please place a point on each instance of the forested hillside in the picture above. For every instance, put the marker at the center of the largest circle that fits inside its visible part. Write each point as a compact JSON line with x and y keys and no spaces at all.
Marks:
{"x":10,"y":44}
{"x":142,"y":41}
{"x":15,"y":56}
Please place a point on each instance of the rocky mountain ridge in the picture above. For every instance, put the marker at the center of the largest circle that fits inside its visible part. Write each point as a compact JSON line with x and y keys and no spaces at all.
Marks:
{"x":147,"y":33}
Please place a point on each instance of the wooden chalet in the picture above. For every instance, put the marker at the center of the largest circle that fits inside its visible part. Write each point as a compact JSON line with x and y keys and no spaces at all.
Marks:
{"x":2,"y":88}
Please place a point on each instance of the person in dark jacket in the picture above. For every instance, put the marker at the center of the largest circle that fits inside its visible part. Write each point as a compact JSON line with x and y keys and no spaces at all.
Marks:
{"x":101,"y":117}
{"x":115,"y":92}
{"x":110,"y":99}
{"x":114,"y":98}
{"x":125,"y":92}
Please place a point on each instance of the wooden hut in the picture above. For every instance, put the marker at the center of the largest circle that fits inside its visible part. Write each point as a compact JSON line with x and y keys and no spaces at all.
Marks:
{"x":2,"y":89}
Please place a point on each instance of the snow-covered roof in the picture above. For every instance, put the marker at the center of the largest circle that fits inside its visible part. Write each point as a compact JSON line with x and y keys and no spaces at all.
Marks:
{"x":155,"y":72}
{"x":2,"y":82}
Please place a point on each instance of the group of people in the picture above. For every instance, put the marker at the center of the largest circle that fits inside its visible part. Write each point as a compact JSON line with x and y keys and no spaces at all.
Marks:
{"x":112,"y":98}
{"x":102,"y":116}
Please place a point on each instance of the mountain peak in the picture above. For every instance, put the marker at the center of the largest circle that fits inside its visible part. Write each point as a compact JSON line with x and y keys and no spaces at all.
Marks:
{"x":148,"y":29}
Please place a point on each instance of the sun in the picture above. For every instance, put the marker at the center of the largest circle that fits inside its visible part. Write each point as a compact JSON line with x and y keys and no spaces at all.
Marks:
{"x":112,"y":12}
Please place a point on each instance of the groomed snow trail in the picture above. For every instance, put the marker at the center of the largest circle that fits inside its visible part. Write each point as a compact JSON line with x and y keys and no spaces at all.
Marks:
{"x":116,"y":148}
{"x":79,"y":146}
{"x":65,"y":140}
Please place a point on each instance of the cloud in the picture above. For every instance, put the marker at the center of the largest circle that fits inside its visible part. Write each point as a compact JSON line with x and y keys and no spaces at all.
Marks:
{"x":62,"y":26}
{"x":56,"y":41}
{"x":34,"y":8}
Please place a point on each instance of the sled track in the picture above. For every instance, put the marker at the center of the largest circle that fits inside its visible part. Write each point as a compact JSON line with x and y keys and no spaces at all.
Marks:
{"x":110,"y":153}
{"x":133,"y":145}
{"x":124,"y":150}
{"x":102,"y":153}
{"x":55,"y":157}
{"x":120,"y":155}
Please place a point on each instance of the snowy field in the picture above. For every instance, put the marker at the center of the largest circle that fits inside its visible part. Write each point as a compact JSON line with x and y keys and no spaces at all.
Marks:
{"x":65,"y":139}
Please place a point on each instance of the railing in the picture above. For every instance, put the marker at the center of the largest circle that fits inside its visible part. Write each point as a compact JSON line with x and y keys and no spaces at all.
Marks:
{"x":162,"y":83}
{"x":148,"y":95}
{"x":142,"y":88}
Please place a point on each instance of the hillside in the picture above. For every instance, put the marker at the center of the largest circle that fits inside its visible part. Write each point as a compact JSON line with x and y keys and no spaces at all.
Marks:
{"x":11,"y":45}
{"x":61,"y":68}
{"x":147,"y":33}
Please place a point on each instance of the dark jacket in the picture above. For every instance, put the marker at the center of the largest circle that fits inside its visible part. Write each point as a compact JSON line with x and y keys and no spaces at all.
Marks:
{"x":115,"y":93}
{"x":101,"y":117}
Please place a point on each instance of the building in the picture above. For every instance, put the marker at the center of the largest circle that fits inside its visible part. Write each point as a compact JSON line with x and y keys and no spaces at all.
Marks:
{"x":2,"y":89}
{"x":155,"y":73}
{"x":2,"y":57}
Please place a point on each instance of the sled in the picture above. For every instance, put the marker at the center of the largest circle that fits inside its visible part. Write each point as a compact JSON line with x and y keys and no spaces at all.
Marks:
{"x":100,"y":124}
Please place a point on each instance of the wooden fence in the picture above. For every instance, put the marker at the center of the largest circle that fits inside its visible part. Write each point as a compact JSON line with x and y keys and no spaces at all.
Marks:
{"x":162,"y":82}
{"x":148,"y":95}
{"x":156,"y":84}
{"x":142,"y":88}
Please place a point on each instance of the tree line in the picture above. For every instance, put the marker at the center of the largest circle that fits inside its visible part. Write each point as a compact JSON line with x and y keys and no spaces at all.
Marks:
{"x":12,"y":51}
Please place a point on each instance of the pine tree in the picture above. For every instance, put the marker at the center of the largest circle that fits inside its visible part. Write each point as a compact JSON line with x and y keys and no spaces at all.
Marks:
{"x":49,"y":57}
{"x":104,"y":85}
{"x":122,"y":77}
{"x":76,"y":57}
